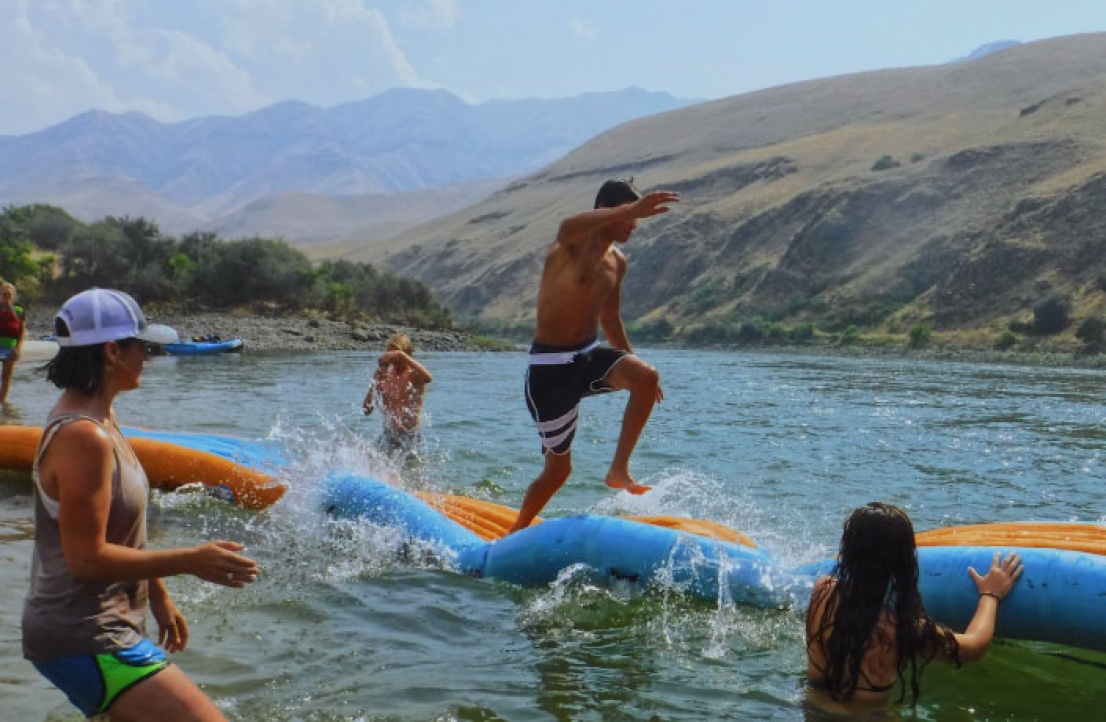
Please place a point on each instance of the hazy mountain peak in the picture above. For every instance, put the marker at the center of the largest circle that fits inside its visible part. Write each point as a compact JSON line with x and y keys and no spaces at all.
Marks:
{"x":285,"y":106}
{"x":990,"y":48}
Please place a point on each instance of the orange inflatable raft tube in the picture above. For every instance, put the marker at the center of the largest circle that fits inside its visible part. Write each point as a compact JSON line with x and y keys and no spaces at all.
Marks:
{"x":491,"y":521}
{"x":1089,"y":538}
{"x":168,"y":466}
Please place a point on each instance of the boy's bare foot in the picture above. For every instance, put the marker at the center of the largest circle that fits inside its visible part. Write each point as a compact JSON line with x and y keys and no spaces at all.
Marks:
{"x":626,"y":483}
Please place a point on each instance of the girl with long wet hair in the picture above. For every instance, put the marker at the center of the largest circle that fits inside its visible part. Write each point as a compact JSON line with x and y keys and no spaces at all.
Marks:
{"x":867,"y":629}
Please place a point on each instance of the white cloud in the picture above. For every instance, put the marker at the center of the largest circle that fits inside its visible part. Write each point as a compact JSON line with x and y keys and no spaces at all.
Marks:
{"x":324,"y":52}
{"x":42,"y":81}
{"x":184,"y":67}
{"x":182,"y":60}
{"x":432,"y":15}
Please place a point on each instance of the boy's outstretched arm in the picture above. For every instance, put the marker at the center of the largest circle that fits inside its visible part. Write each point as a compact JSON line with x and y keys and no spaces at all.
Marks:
{"x":575,"y":228}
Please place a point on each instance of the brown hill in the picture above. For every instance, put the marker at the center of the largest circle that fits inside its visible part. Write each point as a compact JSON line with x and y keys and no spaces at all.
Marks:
{"x":955,"y":196}
{"x":311,"y":220}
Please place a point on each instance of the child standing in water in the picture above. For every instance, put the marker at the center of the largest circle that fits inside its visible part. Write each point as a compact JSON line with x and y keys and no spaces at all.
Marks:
{"x":13,"y":329}
{"x":398,"y":386}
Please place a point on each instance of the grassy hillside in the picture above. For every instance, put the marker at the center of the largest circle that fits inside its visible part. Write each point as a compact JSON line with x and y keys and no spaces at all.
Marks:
{"x":954,"y":196}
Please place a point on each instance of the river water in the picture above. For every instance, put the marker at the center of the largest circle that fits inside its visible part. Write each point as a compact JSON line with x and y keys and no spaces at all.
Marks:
{"x":779,"y":447}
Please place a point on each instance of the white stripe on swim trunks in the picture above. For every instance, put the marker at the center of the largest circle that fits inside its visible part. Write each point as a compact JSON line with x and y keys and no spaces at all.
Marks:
{"x":552,"y":442}
{"x":544,"y":427}
{"x":560,"y":357}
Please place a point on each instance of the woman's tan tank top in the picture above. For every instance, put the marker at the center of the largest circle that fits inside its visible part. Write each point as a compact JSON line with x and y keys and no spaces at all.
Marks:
{"x":63,"y":615}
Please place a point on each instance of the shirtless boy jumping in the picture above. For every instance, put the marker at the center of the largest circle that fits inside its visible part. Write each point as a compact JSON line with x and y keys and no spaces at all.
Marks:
{"x":580,"y":290}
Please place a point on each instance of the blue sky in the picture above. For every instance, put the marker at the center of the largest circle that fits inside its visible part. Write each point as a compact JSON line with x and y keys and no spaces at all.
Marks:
{"x":180,"y":59}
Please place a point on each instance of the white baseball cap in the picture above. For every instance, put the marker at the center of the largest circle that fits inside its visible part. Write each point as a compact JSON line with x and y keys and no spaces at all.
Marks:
{"x":100,"y":315}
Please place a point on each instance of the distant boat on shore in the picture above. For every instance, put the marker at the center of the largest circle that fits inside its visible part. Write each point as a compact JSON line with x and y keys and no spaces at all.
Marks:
{"x":205,"y":347}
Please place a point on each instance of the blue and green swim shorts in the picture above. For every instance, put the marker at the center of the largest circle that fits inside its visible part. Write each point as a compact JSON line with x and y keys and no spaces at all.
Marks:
{"x":92,"y":683}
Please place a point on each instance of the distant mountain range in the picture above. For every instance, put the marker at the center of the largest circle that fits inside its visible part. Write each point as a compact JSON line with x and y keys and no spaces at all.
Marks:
{"x":302,"y":172}
{"x":955,"y":196}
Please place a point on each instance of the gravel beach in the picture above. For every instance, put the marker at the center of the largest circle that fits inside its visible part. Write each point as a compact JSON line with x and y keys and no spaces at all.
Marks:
{"x":285,"y":333}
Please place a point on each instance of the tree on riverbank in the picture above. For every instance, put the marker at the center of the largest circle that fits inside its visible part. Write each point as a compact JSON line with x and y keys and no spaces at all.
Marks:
{"x":52,"y":255}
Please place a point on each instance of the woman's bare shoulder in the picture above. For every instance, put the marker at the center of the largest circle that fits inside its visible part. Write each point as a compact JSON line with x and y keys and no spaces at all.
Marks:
{"x":81,"y":435}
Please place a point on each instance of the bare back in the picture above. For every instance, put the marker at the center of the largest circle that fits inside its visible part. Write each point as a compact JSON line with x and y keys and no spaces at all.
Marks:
{"x":401,"y":396}
{"x":878,"y":670}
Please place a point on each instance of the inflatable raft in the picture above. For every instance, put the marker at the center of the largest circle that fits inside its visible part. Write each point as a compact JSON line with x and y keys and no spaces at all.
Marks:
{"x":701,"y":558}
{"x":1059,"y":598}
{"x":169,"y":464}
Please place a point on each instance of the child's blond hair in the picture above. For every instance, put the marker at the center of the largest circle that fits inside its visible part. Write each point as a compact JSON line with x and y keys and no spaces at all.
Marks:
{"x":401,"y":342}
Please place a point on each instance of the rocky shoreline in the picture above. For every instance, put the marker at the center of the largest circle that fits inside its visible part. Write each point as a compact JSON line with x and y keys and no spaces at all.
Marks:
{"x":316,"y":332}
{"x":296,"y":333}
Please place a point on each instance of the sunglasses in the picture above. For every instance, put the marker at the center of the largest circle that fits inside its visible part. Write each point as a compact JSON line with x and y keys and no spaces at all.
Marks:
{"x":148,"y":348}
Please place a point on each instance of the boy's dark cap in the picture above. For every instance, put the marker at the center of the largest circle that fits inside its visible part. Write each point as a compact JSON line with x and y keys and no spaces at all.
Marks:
{"x":617,"y":192}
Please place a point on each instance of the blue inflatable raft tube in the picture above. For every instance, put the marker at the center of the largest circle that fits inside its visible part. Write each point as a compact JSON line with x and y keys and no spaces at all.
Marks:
{"x":1061,"y":597}
{"x":615,"y":548}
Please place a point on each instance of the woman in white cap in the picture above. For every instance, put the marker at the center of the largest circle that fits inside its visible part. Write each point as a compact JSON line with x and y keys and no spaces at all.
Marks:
{"x":92,"y":577}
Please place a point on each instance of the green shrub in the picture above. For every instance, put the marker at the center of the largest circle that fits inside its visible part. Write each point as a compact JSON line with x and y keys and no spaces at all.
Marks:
{"x":774,"y":332}
{"x":802,"y":333}
{"x":705,"y":297}
{"x":919,"y":336}
{"x":849,"y":336}
{"x":872,"y":314}
{"x":885,"y":162}
{"x":749,"y":332}
{"x":489,"y":343}
{"x":711,"y":332}
{"x":1091,"y":331}
{"x":16,"y":259}
{"x":1006,"y":341}
{"x":200,"y":268}
{"x":1051,"y":315}
{"x":658,"y":330}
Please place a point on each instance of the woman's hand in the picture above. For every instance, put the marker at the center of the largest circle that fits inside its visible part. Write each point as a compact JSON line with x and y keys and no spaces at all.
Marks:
{"x":217,"y":562}
{"x":172,"y":628}
{"x":1000,"y":578}
{"x":995,"y":585}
